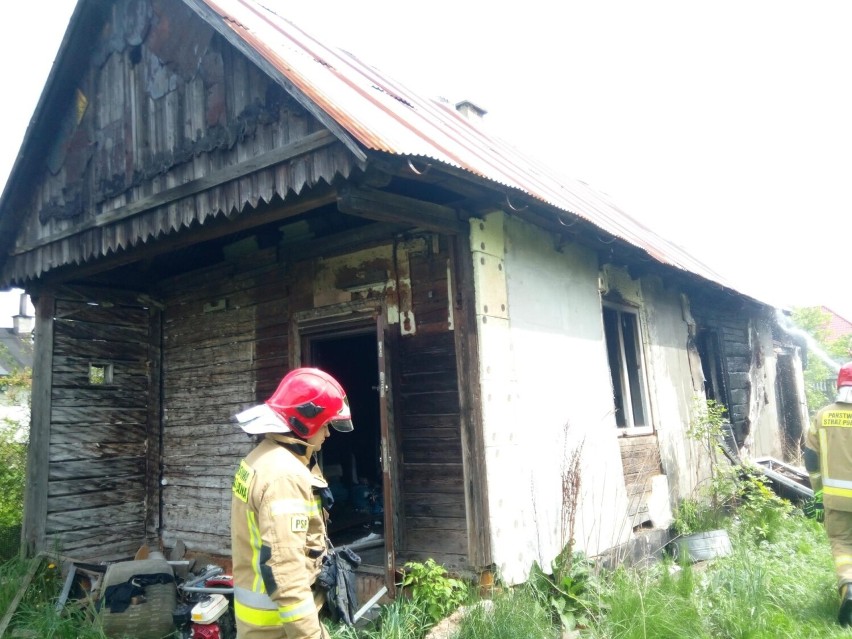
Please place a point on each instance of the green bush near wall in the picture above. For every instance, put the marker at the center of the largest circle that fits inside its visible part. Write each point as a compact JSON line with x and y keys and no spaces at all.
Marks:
{"x":13,"y":464}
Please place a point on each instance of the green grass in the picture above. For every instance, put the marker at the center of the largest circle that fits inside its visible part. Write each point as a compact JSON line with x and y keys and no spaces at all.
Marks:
{"x":778,"y":589}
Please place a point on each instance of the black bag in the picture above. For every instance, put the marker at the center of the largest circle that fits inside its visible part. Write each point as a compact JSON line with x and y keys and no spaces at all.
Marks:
{"x":337,"y":578}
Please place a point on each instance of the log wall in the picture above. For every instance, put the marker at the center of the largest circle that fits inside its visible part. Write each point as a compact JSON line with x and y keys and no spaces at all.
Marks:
{"x":98,"y":476}
{"x":224,"y":348}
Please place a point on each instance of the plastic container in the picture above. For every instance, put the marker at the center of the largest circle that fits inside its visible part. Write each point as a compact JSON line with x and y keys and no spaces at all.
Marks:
{"x":209,"y":609}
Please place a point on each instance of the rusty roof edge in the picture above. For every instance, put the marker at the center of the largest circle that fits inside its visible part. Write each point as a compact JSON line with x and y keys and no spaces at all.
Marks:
{"x":708,"y":275}
{"x":214,"y":16}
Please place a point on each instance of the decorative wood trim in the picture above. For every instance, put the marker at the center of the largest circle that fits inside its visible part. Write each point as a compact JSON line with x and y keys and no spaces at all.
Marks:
{"x":38,"y":450}
{"x":309,"y":143}
{"x":210,"y":231}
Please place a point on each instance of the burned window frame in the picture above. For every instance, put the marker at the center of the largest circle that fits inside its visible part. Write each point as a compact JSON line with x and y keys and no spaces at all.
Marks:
{"x":623,"y":354}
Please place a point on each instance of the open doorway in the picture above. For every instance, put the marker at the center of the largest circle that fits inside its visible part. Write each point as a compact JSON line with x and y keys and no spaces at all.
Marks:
{"x":351,"y":462}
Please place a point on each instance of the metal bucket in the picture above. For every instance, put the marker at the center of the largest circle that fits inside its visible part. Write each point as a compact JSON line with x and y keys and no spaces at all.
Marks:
{"x":702,"y":546}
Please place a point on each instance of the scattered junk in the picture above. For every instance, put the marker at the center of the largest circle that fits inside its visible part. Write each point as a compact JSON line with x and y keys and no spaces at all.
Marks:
{"x":789,"y":482}
{"x":184,"y":596}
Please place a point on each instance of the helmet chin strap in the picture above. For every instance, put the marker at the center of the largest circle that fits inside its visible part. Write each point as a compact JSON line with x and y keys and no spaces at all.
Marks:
{"x":844,"y":395}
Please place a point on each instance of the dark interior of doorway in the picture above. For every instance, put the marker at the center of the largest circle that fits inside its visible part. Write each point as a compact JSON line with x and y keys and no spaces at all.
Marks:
{"x":351,"y":461}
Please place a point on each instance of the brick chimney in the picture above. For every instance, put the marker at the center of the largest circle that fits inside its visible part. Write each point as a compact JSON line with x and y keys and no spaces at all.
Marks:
{"x":23,"y":322}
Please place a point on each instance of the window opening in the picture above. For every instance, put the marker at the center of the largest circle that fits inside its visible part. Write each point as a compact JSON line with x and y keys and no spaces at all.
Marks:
{"x":624,"y":353}
{"x":100,"y":374}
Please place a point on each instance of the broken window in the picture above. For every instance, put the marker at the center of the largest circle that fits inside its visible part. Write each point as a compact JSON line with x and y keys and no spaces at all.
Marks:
{"x":710,"y":352}
{"x":626,"y":366}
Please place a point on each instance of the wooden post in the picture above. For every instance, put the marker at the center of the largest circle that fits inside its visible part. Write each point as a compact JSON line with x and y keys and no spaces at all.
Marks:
{"x":38,"y":454}
{"x":470,"y":405}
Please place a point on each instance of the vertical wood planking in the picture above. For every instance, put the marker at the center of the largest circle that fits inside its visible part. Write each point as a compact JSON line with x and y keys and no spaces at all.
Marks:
{"x":38,"y":456}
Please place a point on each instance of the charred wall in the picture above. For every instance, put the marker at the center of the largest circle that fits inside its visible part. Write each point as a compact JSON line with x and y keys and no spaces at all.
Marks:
{"x":100,"y":424}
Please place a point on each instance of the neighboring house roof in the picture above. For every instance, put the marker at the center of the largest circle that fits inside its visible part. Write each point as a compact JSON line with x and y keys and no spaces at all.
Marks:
{"x":837,"y":326}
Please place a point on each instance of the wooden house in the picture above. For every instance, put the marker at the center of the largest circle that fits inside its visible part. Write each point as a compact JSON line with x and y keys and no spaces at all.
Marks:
{"x":207,"y":197}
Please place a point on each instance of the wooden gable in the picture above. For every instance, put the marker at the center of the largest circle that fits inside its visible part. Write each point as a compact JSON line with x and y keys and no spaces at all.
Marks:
{"x":154,"y":124}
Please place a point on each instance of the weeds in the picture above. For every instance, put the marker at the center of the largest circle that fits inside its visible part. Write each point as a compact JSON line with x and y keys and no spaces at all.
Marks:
{"x":514,"y":615}
{"x":430,"y":585}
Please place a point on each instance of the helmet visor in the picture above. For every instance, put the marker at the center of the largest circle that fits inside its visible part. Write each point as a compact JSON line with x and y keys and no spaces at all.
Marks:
{"x":342,"y":422}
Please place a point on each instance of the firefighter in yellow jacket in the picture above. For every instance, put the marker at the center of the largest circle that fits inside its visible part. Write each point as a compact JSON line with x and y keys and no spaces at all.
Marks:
{"x":277,"y":516}
{"x":828,"y":459}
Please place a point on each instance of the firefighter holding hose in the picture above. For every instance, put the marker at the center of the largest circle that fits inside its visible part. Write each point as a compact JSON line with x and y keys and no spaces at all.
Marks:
{"x":828,"y":459}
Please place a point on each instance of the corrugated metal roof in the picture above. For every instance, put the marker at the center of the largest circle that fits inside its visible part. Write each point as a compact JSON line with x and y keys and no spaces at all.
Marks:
{"x":383,"y":115}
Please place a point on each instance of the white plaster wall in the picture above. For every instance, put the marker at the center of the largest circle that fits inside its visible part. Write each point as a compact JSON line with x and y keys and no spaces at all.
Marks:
{"x":665,"y":315}
{"x":765,"y":437}
{"x":546,"y":392}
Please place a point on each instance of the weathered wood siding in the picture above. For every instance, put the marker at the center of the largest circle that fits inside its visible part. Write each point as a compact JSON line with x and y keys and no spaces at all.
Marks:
{"x":429,"y":424}
{"x":224,"y":347}
{"x":169,"y":125}
{"x":98,"y":476}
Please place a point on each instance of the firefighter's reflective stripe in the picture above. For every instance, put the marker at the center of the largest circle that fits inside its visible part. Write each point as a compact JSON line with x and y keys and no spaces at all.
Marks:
{"x":295,"y":507}
{"x":827,"y":489}
{"x":261,"y":614}
{"x":297,"y":611}
{"x":841,"y":488}
{"x":843,"y":560}
{"x":256,"y":542}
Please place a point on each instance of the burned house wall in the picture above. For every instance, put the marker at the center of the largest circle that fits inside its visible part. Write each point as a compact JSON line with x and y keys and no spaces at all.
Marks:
{"x":166,"y":125}
{"x":224,"y":347}
{"x":428,"y":418}
{"x":228,"y":334}
{"x":546,"y":397}
{"x":747,"y":359}
{"x":99,"y":470}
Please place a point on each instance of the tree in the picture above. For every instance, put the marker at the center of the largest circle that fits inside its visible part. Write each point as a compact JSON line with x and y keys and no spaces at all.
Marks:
{"x":819,"y":376}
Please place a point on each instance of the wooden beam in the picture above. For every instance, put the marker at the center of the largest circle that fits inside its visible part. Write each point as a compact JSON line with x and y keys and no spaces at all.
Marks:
{"x":470,"y":404}
{"x":339,"y":243}
{"x":301,"y":146}
{"x":25,"y":584}
{"x":38,"y":449}
{"x":398,"y":209}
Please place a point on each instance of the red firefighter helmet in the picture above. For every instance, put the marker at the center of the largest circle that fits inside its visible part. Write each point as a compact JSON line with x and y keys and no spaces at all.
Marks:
{"x":844,"y":376}
{"x":308,"y":399}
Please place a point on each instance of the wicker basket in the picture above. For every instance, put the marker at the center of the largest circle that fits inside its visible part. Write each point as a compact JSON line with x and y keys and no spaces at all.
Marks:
{"x":150,"y":619}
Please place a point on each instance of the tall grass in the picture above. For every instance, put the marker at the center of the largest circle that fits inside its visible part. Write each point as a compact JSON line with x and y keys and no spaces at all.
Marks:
{"x":776,"y":586}
{"x":763,"y":590}
{"x":514,"y":615}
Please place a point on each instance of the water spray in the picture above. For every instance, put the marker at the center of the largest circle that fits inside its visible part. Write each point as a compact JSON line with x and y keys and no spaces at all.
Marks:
{"x":814,"y":348}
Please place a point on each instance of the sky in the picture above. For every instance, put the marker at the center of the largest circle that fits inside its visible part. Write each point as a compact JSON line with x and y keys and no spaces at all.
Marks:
{"x":724,"y":126}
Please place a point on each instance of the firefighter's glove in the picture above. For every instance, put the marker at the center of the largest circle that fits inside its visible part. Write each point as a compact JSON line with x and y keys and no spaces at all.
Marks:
{"x":813,"y":508}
